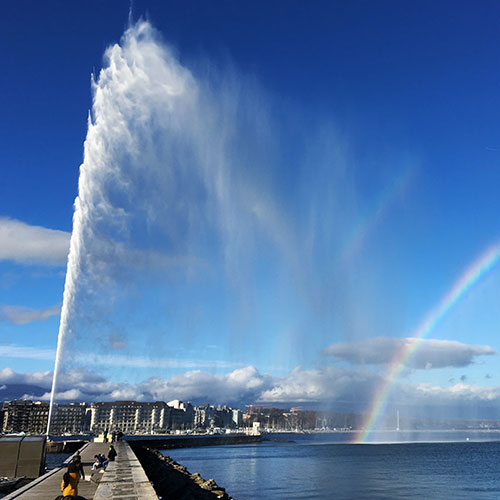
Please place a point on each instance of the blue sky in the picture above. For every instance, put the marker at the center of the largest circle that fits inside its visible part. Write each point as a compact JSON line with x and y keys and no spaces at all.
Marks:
{"x":358,"y":147}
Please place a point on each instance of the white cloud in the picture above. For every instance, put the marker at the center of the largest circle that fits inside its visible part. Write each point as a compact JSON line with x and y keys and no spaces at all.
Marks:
{"x":430,"y":353}
{"x":41,"y":379}
{"x":69,"y":395}
{"x":244,"y":384}
{"x":325,"y":384}
{"x":240,"y":386}
{"x":27,"y":244}
{"x":338,"y":388}
{"x":18,"y":315}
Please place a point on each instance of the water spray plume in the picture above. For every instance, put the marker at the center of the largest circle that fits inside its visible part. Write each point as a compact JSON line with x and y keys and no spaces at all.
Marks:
{"x":139,"y":73}
{"x":158,"y":185}
{"x":177,"y":213}
{"x":365,"y":225}
{"x":478,"y":269}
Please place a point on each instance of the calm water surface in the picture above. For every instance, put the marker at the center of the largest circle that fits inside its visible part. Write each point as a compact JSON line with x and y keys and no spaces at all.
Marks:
{"x":320,"y":467}
{"x":53,"y":460}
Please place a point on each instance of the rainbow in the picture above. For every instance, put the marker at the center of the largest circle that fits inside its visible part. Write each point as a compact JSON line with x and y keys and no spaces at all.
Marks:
{"x":479,"y":268}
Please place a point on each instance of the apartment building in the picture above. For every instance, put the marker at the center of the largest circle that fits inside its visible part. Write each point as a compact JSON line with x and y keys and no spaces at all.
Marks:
{"x":32,"y":417}
{"x":69,"y":419}
{"x":129,"y":417}
{"x":24,"y":416}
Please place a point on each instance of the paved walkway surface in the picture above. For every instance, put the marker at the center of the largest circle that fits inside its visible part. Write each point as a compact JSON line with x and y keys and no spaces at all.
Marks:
{"x":124,"y":478}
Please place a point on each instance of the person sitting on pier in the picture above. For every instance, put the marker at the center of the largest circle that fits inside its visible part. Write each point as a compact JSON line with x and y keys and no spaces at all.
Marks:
{"x":69,"y":484}
{"x":99,"y":460}
{"x":112,"y":453}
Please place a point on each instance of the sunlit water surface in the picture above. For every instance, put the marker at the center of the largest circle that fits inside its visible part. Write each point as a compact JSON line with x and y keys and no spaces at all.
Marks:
{"x":320,"y":467}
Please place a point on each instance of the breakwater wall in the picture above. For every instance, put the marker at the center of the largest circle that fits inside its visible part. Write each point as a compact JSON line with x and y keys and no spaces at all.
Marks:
{"x":171,"y":442}
{"x":173,"y":481}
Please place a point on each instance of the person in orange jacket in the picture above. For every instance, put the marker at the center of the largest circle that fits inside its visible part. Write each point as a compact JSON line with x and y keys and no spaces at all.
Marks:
{"x":69,"y":484}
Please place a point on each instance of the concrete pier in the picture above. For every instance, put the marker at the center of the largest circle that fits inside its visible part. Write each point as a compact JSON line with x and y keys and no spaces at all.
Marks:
{"x":124,"y":478}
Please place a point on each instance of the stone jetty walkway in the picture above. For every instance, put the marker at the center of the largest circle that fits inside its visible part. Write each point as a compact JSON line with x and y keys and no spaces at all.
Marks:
{"x":124,"y":478}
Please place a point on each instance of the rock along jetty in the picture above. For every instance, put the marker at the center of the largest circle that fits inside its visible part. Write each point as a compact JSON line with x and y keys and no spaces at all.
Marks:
{"x":173,"y":481}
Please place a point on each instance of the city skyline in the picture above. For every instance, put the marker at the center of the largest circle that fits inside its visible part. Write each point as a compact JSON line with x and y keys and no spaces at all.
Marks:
{"x":324,"y":227}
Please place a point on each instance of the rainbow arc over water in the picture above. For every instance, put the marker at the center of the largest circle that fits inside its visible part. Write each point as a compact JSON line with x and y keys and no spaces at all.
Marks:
{"x":479,"y":268}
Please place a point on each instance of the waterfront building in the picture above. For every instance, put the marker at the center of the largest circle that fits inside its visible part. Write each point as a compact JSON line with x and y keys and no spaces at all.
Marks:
{"x":38,"y":418}
{"x":204,"y":416}
{"x":25,"y":416}
{"x":100,"y":417}
{"x":237,"y":417}
{"x":152,"y":418}
{"x":181,"y":415}
{"x":17,"y":415}
{"x":224,"y":417}
{"x":69,"y":419}
{"x":129,"y":417}
{"x":32,"y":417}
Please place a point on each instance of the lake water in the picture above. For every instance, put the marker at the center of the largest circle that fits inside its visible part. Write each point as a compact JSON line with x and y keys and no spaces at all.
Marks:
{"x":54,"y":460}
{"x":320,"y":466}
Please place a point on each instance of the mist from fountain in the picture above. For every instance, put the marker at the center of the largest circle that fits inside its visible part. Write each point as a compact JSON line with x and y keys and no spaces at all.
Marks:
{"x":179,"y":216}
{"x":158,"y":181}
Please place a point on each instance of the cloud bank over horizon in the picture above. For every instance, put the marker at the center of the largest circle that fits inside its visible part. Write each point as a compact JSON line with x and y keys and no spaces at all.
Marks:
{"x":333,"y":388}
{"x":330,"y":387}
{"x":430,"y":354}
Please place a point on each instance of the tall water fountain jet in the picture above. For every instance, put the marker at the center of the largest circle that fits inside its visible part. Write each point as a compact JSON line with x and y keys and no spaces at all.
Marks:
{"x":142,"y":117}
{"x":185,"y":229}
{"x":158,"y":187}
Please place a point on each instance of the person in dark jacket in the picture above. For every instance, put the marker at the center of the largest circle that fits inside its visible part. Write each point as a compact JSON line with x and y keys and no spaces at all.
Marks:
{"x":78,"y":462}
{"x":112,"y":453}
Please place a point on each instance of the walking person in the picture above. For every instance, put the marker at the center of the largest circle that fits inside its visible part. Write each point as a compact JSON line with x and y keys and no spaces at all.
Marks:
{"x":78,"y":461}
{"x":71,"y":478}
